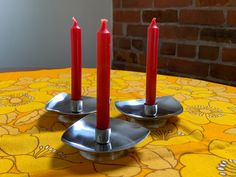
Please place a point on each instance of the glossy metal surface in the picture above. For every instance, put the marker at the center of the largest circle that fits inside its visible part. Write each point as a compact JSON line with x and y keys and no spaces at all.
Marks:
{"x":62,"y":102}
{"x":103,"y":136}
{"x":150,"y":124}
{"x":68,"y":119}
{"x":124,"y":135}
{"x":167,"y":107}
{"x":150,"y":110}
{"x":103,"y":156}
{"x":76,"y":106}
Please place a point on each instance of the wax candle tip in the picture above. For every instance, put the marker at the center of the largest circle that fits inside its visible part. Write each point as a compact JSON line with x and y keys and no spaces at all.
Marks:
{"x":75,"y":21}
{"x":103,"y":24}
{"x":104,"y":20}
{"x":153,"y":21}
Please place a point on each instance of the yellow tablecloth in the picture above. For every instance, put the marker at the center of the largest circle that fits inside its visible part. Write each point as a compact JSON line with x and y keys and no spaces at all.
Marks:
{"x":201,"y":142}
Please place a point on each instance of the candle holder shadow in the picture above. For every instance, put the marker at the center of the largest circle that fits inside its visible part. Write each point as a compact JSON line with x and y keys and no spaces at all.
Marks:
{"x":167,"y":106}
{"x":62,"y":104}
{"x":124,"y":135}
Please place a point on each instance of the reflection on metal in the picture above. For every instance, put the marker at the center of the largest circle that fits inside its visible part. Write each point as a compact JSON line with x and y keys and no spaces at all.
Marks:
{"x":150,"y":110}
{"x":76,"y":106}
{"x":63,"y":104}
{"x":103,"y":136}
{"x":166,"y":107}
{"x":123,"y":135}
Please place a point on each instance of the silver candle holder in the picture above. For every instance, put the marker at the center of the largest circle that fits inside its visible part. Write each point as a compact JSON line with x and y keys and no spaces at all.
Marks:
{"x":103,"y":145}
{"x":153,"y":116}
{"x":63,"y":104}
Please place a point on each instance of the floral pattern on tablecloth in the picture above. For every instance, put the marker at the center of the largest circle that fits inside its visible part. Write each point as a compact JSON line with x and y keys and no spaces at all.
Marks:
{"x":199,"y":142}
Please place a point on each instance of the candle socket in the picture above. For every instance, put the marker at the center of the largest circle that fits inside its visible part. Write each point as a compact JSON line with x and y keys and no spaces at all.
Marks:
{"x":76,"y":106}
{"x":102,"y":136}
{"x":103,"y":147}
{"x":150,"y":110}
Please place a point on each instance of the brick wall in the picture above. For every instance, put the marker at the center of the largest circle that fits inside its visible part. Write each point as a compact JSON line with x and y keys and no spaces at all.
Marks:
{"x":197,"y":37}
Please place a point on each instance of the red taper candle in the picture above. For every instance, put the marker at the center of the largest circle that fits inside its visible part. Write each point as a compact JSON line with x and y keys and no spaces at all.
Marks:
{"x":103,"y":76}
{"x":151,"y":62}
{"x":76,"y":61}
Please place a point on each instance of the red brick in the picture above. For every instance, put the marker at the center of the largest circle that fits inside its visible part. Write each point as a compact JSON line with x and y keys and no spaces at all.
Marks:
{"x":188,"y":33}
{"x":188,"y":67}
{"x":172,"y":3}
{"x":231,"y":19}
{"x":168,"y":48}
{"x":229,"y":54}
{"x":128,"y":67}
{"x":202,"y":17}
{"x":208,"y":52}
{"x":126,"y":56}
{"x":117,"y":29}
{"x":126,"y":16}
{"x":218,"y":35}
{"x":184,"y":50}
{"x":215,"y":3}
{"x":142,"y":59}
{"x":169,"y":32}
{"x":138,"y":44}
{"x":115,"y":42}
{"x":175,"y":32}
{"x":116,"y":3}
{"x":124,"y":43}
{"x":136,"y":68}
{"x":162,"y":15}
{"x":118,"y":65}
{"x":223,"y":72}
{"x":163,"y":62}
{"x":137,"y":30}
{"x":137,"y":3}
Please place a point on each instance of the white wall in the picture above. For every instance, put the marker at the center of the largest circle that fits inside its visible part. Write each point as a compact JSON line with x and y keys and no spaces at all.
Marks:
{"x":35,"y":33}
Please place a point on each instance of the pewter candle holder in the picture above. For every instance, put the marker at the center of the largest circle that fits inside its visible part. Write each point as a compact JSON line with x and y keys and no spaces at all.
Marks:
{"x":103,"y":145}
{"x":63,"y":104}
{"x":150,"y":115}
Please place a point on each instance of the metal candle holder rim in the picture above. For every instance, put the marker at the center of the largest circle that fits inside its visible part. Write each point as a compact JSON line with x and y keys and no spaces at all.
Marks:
{"x":123,"y":135}
{"x":62,"y":104}
{"x":165,"y":107}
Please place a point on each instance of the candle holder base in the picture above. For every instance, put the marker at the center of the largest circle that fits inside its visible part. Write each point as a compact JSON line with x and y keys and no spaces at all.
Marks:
{"x":68,"y":119}
{"x":150,"y":124}
{"x":62,"y":102}
{"x":135,"y":109}
{"x":99,"y":157}
{"x":123,"y":135}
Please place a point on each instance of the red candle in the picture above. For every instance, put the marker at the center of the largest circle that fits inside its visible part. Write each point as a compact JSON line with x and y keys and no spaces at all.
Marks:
{"x":103,"y":76}
{"x":151,"y":62}
{"x":76,"y":62}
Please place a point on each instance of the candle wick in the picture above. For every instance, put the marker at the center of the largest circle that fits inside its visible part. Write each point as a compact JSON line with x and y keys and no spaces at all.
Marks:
{"x":153,"y":23}
{"x":75,"y":21}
